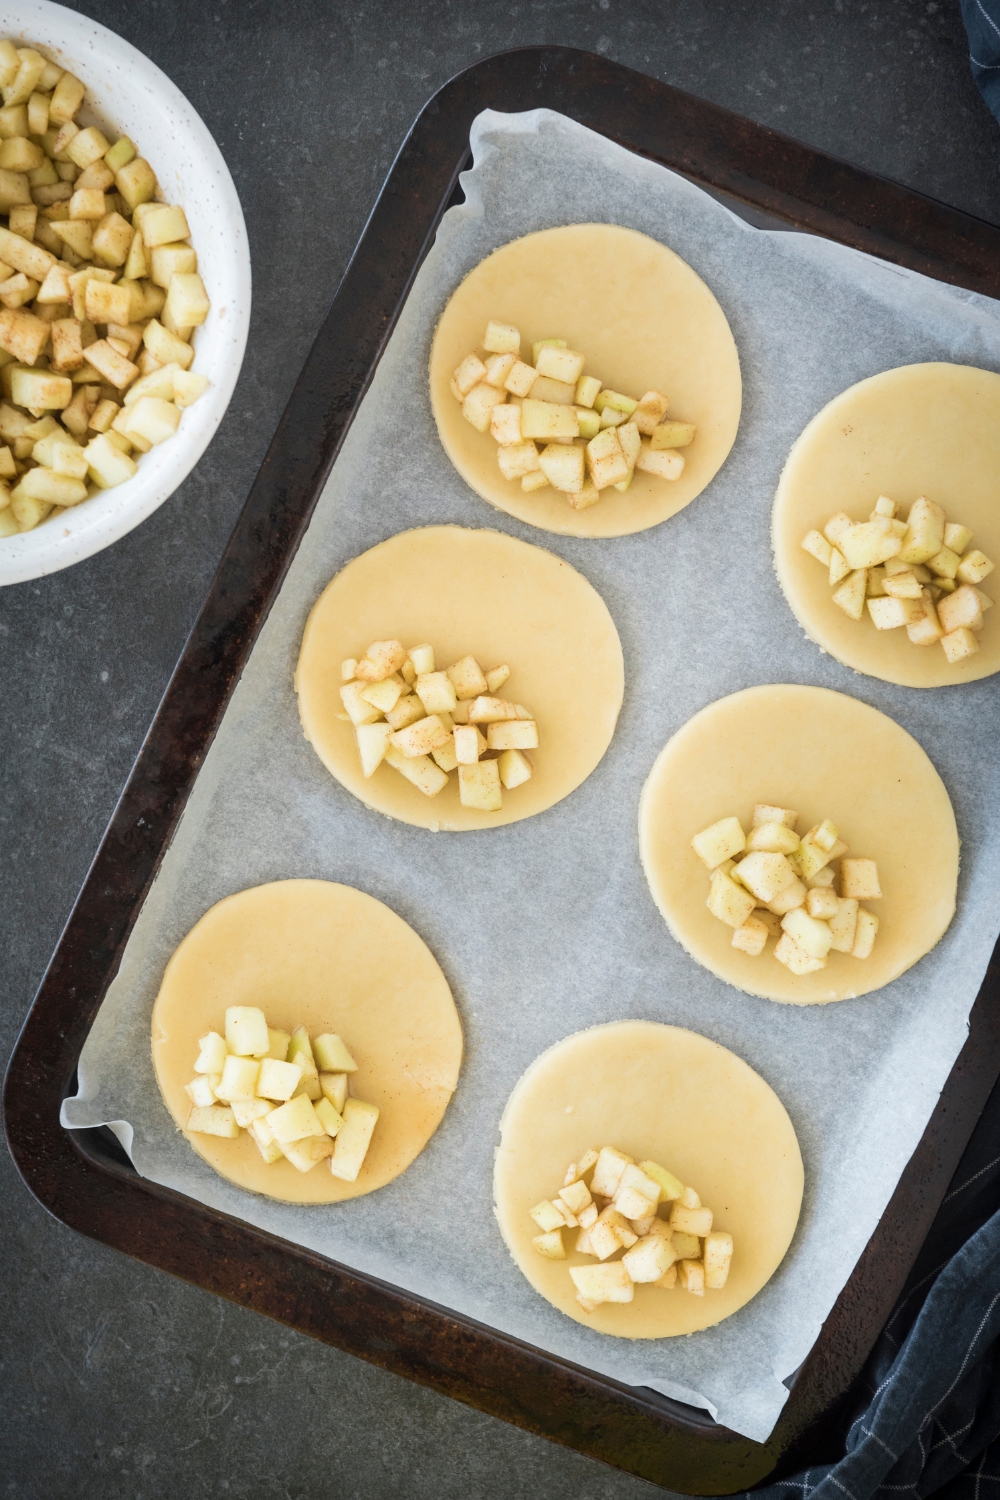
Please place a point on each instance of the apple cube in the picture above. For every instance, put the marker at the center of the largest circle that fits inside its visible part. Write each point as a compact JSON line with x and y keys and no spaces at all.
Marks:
{"x":864,"y":936}
{"x":764,"y":813}
{"x":957,"y":537}
{"x":635,"y":1179}
{"x":773,"y":838}
{"x":201,"y":1089}
{"x":809,"y":934}
{"x":649,"y":1259}
{"x":373,"y":741}
{"x":836,"y":526}
{"x":650,"y":412}
{"x":765,"y":875}
{"x":788,"y":952}
{"x":467,"y":678}
{"x":752,"y":937}
{"x":560,"y":364}
{"x":547,"y":1216}
{"x":215,"y":1120}
{"x":239,"y":1079}
{"x":512,"y":734}
{"x":843,"y":925}
{"x":719,"y":842}
{"x":354,"y":1139}
{"x":427,"y":734}
{"x":383,"y":695}
{"x":691,"y":1275}
{"x":520,"y":378}
{"x":695,"y":1221}
{"x":729,"y":901}
{"x":816,"y":544}
{"x":540,"y":344}
{"x":959,"y":644}
{"x":359,"y":710}
{"x":585,"y":498}
{"x":670,"y":1186}
{"x":928,"y":629}
{"x":470,"y":373}
{"x":717,"y":1257}
{"x":245,"y":1111}
{"x":789,"y":899}
{"x":668,"y":1279}
{"x":260,"y":1133}
{"x":381,"y":660}
{"x":419,"y":770}
{"x":576,"y":1196}
{"x":469,"y":744}
{"x":489,"y":710}
{"x":505,"y":425}
{"x":891,"y":614}
{"x":924,"y":536}
{"x":962,"y":608}
{"x":673,"y":435}
{"x":333,"y":1086}
{"x":555,"y":392}
{"x":598,"y":1284}
{"x":944,"y":564}
{"x":546,"y":420}
{"x":563,"y":467}
{"x":850,"y":597}
{"x":859,"y":879}
{"x":519,"y":460}
{"x":445,"y":757}
{"x":501,"y":338}
{"x":331,"y":1055}
{"x":479,"y":786}
{"x":822,"y":903}
{"x":839,"y":567}
{"x":865,"y":544}
{"x":436,"y":692}
{"x":901,"y":586}
{"x":212,"y":1054}
{"x":307,"y":1153}
{"x":278,"y":1080}
{"x":668,"y":464}
{"x":295,"y":1120}
{"x":550,"y":1245}
{"x":515,"y":769}
{"x":498,"y":367}
{"x":246,"y":1031}
{"x":407,"y":711}
{"x":478,"y":405}
{"x":329,"y":1117}
{"x":608,"y":1171}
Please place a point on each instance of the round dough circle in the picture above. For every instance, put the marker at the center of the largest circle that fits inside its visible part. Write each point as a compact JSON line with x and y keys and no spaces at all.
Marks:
{"x":324,"y":956}
{"x":644,"y":319}
{"x":929,"y":429}
{"x":664,"y":1094}
{"x":484,"y":594}
{"x":828,"y":756}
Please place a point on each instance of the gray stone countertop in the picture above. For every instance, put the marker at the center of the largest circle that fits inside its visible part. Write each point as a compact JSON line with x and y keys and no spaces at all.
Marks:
{"x":118,"y":1382}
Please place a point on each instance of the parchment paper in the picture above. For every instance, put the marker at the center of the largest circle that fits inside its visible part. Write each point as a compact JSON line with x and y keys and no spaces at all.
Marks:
{"x":547,"y":926}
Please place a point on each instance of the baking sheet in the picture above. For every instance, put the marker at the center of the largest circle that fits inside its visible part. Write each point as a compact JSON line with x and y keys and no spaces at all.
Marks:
{"x":574,"y":936}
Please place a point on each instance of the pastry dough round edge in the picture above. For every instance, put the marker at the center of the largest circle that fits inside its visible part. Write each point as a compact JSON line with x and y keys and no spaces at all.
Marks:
{"x":334,"y":742}
{"x":515,"y":1225}
{"x":797,"y":572}
{"x":736,"y":972}
{"x":319,"y":1187}
{"x":595,"y":522}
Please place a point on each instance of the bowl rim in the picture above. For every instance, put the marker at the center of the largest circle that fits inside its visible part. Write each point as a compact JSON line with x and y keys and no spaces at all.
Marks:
{"x":46,"y":549}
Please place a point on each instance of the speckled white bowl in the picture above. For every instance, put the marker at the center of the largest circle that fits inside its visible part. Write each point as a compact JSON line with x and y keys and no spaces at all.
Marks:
{"x":126,"y":91}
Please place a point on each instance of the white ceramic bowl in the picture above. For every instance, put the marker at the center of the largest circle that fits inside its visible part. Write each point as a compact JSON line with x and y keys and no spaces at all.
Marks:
{"x":127,"y":92}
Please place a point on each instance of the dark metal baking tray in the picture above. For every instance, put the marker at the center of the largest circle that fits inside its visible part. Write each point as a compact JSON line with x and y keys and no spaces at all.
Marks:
{"x":83,"y":1177}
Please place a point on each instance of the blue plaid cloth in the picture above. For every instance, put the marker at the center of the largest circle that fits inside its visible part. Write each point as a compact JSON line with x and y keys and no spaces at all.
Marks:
{"x":982,"y":22}
{"x":928,"y":1421}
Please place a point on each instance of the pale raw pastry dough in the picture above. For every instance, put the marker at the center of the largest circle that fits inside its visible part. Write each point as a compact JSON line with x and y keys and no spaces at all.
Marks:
{"x":503,"y":601}
{"x":826,"y":755}
{"x":930,"y":429}
{"x":664,"y":1094}
{"x":327,"y":957}
{"x":645,"y":321}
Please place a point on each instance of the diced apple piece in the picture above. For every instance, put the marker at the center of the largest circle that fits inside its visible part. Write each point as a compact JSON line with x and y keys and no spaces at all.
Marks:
{"x":555,"y":392}
{"x":875,"y":587}
{"x":329,"y":1117}
{"x":816,"y":544}
{"x":331,"y":1055}
{"x":891,"y":614}
{"x":850,"y":597}
{"x":188,"y":386}
{"x":520,"y":379}
{"x":859,"y":879}
{"x":576,"y":1196}
{"x":407,"y":711}
{"x":268,"y":1147}
{"x":498,"y":367}
{"x":479,"y":786}
{"x":588,"y":422}
{"x":729,"y":901}
{"x":635,"y":1178}
{"x":864,"y":936}
{"x":587,"y":388}
{"x":957,"y":537}
{"x":962,"y":608}
{"x":381,"y":660}
{"x":865,"y":545}
{"x":924,"y":536}
{"x":959,"y":644}
{"x":278,"y":1043}
{"x":719,"y":842}
{"x":926,"y":631}
{"x":383,"y":695}
{"x":501,"y":338}
{"x":944,"y":564}
{"x":608,"y":1170}
{"x":650,"y":412}
{"x":670,"y":1186}
{"x":773,"y":838}
{"x":466,"y":678}
{"x":478,"y":405}
{"x":788,"y":952}
{"x":359,"y":710}
{"x":691,"y":1276}
{"x":822,"y":903}
{"x":560,"y":364}
{"x":469,"y":744}
{"x":246,"y":1031}
{"x":212,"y":1054}
{"x":470,"y":373}
{"x":902,"y":586}
{"x":436,"y":692}
{"x":668,"y":464}
{"x":486,"y":709}
{"x":515,"y":769}
{"x":354,"y":1139}
{"x":505,"y":425}
{"x":792,"y":897}
{"x":333,"y":1086}
{"x":40,"y":390}
{"x":512,"y":734}
{"x":550,"y":1245}
{"x":629,"y":441}
{"x":765,"y":875}
{"x":563,"y":467}
{"x":278,"y":1080}
{"x":239,"y":1079}
{"x":649,"y":1259}
{"x":673,"y":435}
{"x":598,"y":1284}
{"x":843,"y":925}
{"x":717,"y":1258}
{"x":546,"y":420}
{"x":245,"y":1111}
{"x":764,"y":812}
{"x":307,"y":1153}
{"x":547,"y":1216}
{"x":218,"y":1120}
{"x":752,"y":937}
{"x":518,"y":460}
{"x":201,"y":1089}
{"x":295,"y":1120}
{"x":807,"y":933}
{"x":669,"y":1278}
{"x":427,"y":734}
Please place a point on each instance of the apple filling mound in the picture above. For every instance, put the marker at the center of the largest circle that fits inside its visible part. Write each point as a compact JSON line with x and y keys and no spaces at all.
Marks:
{"x":620,"y":1211}
{"x":919,"y":573}
{"x":557,"y":426}
{"x":288,"y":1092}
{"x":426,"y":724}
{"x":771,"y":883}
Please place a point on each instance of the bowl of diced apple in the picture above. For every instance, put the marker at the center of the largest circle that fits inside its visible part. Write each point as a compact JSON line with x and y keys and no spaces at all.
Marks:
{"x":124,"y":288}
